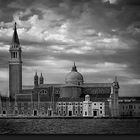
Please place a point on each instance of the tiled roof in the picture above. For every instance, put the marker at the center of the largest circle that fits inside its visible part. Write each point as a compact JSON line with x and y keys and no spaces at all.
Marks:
{"x":97,"y":85}
{"x":99,"y":97}
{"x":69,"y":99}
{"x":27,"y":91}
{"x":129,"y":99}
{"x":71,"y":85}
{"x":24,"y":97}
{"x":49,"y":85}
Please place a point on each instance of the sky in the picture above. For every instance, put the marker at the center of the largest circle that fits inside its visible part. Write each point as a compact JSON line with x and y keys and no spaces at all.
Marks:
{"x":101,"y":36}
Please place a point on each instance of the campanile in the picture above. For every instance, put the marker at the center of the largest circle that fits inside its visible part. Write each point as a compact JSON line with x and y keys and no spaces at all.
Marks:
{"x":15,"y":66}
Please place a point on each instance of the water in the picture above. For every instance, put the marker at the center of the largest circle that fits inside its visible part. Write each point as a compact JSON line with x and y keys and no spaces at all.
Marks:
{"x":69,"y":126}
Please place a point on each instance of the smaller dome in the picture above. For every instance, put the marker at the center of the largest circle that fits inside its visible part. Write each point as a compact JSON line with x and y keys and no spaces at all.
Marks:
{"x":87,"y":98}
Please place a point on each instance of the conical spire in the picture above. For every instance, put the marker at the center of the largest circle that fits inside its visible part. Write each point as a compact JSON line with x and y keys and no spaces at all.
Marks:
{"x":36,"y":73}
{"x":41,"y":75}
{"x":74,"y":68}
{"x":15,"y":40}
{"x":41,"y":79}
{"x":36,"y":79}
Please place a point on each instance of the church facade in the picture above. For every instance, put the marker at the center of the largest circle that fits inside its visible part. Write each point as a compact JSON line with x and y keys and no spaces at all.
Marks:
{"x":72,"y":99}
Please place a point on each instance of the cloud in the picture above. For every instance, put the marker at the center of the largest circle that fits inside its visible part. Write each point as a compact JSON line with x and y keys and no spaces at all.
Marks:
{"x":102,"y":36}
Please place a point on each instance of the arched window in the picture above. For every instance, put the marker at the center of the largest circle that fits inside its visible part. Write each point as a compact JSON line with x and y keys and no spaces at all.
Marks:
{"x":43,"y":91}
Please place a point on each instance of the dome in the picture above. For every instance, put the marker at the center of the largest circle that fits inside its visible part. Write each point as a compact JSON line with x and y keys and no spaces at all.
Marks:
{"x":74,"y":77}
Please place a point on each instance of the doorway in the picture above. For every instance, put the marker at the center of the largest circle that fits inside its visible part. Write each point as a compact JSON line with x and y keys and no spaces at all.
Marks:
{"x":70,"y":113}
{"x":35,"y":112}
{"x":49,"y":112}
{"x":95,"y":113}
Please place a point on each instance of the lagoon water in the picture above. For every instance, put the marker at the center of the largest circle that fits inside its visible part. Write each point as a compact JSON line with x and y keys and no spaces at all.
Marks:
{"x":69,"y":126}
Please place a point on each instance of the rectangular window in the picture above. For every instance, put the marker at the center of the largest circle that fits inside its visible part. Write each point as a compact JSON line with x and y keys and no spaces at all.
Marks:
{"x":85,"y":113}
{"x":100,"y":112}
{"x":100,"y":107}
{"x":94,"y":103}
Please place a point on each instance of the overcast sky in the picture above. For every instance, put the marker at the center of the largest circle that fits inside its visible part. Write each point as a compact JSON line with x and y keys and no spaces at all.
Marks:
{"x":101,"y":36}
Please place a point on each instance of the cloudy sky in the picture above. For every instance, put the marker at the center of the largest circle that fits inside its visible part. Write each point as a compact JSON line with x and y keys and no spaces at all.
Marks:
{"x":101,"y":36}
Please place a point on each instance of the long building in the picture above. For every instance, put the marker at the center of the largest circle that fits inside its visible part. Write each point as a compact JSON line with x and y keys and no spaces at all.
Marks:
{"x":74,"y":98}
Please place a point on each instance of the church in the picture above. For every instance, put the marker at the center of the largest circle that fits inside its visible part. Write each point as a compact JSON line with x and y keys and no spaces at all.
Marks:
{"x":75,"y":98}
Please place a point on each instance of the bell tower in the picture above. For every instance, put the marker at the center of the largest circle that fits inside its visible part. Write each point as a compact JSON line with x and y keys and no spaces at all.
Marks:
{"x":15,"y":66}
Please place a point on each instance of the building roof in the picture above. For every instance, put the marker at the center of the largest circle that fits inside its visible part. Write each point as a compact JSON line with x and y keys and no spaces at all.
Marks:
{"x":27,"y":91}
{"x":99,"y":97}
{"x":127,"y":99}
{"x":24,"y":97}
{"x":97,"y":85}
{"x":69,"y":99}
{"x":71,"y":85}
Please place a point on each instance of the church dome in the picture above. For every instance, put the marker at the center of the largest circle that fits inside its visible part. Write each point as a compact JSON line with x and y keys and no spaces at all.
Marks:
{"x":74,"y":77}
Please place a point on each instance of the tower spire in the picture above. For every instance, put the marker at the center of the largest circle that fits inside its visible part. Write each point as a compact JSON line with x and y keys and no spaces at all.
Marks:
{"x":41,"y":79}
{"x":15,"y":40}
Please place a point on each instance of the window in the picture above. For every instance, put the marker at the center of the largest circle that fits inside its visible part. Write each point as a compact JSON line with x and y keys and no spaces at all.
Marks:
{"x":94,"y":103}
{"x":100,"y":112}
{"x":100,"y":103}
{"x":100,"y":107}
{"x":81,"y":111}
{"x":76,"y":112}
{"x":43,"y":91}
{"x":85,"y":113}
